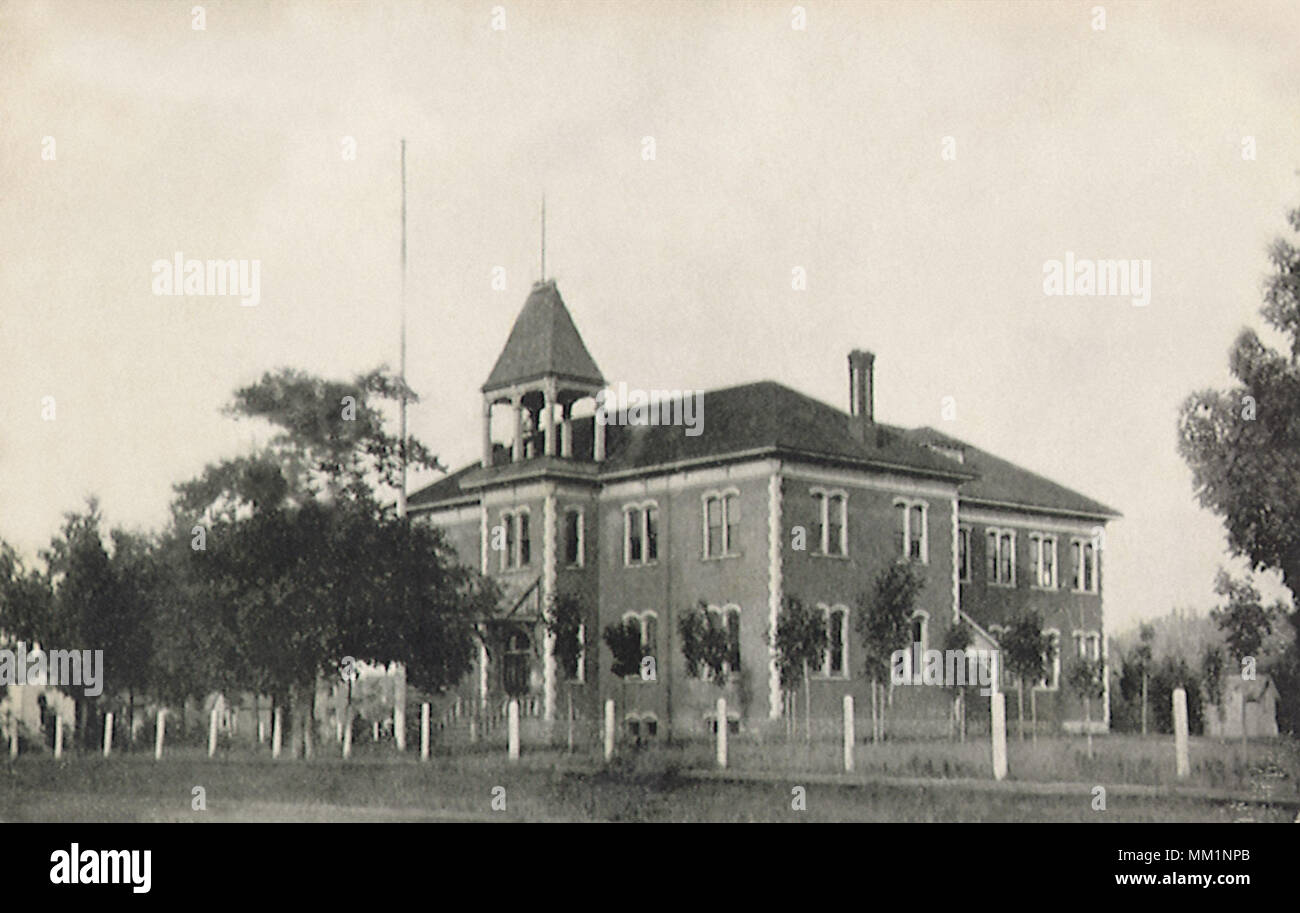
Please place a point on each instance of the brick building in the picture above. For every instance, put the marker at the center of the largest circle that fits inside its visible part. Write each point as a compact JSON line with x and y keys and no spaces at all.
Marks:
{"x":642,"y":521}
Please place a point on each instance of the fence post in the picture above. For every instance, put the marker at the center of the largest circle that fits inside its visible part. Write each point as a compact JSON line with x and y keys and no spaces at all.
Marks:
{"x":424,"y":732}
{"x":609,"y":729}
{"x":848,"y":733}
{"x":277,"y":732}
{"x":161,"y":734}
{"x":347,"y":736}
{"x":1183,"y":764}
{"x":58,"y":735}
{"x":722,"y":732}
{"x":13,"y":737}
{"x":512,"y":733}
{"x":108,"y":734}
{"x":212,"y":732}
{"x":998,"y":706}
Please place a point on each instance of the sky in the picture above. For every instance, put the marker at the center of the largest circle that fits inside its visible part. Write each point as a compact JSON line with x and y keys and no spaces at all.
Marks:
{"x":775,"y":148}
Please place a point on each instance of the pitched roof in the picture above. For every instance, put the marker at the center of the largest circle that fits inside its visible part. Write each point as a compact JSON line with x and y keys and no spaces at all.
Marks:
{"x":543,"y":341}
{"x":767,"y":415}
{"x":1007,"y":484}
{"x":735,"y":420}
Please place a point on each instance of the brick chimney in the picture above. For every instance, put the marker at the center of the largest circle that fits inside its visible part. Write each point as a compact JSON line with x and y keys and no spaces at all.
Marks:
{"x":861,"y":395}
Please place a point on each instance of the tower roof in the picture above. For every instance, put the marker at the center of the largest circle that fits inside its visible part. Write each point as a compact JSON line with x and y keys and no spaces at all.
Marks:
{"x":543,"y":343}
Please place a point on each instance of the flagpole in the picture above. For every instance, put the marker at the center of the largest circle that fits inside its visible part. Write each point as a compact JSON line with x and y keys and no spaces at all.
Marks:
{"x":401,"y":493}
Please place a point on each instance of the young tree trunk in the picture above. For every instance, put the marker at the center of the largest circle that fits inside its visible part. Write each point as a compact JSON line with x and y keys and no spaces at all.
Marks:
{"x":1144,"y":702}
{"x":1020,"y":709}
{"x":570,"y":690}
{"x":807,"y":703}
{"x":1087,"y":723}
{"x":130,"y":716}
{"x":1033,"y":710}
{"x":1243,"y":723}
{"x":875,"y":725}
{"x":963,"y":717}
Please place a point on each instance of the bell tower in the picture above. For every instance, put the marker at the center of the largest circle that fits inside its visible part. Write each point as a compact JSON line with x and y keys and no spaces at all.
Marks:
{"x":544,"y":365}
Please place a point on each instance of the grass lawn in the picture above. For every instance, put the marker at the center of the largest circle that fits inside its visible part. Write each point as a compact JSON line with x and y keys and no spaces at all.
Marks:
{"x":945,"y":782}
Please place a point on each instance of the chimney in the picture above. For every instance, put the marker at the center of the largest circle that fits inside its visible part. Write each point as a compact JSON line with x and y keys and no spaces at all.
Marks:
{"x":861,"y":405}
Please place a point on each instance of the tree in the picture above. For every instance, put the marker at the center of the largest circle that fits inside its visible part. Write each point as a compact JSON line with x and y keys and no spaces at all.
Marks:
{"x":884,"y":620}
{"x":799,"y":642}
{"x":1213,"y":664}
{"x":564,"y":624}
{"x":1243,"y":444}
{"x":704,"y":644}
{"x":1085,"y":680}
{"x":303,"y":564}
{"x":624,"y":641}
{"x":959,"y":637}
{"x":1245,"y":622}
{"x":1142,"y":659}
{"x":1029,"y":654}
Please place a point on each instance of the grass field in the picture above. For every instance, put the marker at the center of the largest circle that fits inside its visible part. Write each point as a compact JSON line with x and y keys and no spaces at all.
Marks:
{"x":918,"y":781}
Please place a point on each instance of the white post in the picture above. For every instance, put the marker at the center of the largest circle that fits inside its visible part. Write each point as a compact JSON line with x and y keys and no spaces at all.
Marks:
{"x":277,"y":732}
{"x":374,"y":731}
{"x":848,"y":733}
{"x":108,"y":734}
{"x":261,"y":730}
{"x":399,"y":706}
{"x":58,"y":736}
{"x":609,"y":729}
{"x":161,"y":734}
{"x":13,"y":737}
{"x":513,"y":730}
{"x":424,"y":732}
{"x":998,"y":704}
{"x":347,"y":738}
{"x":722,"y":732}
{"x":212,"y":732}
{"x":1180,"y":733}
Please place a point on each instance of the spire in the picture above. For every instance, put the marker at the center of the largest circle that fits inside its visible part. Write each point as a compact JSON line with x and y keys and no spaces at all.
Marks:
{"x":543,"y":343}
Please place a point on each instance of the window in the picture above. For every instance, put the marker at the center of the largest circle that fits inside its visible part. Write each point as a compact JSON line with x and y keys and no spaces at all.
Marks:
{"x":518,"y":545}
{"x":514,"y":670}
{"x":963,"y":554}
{"x":573,"y":538}
{"x":835,"y":659}
{"x":641,"y":725}
{"x":1042,"y":551}
{"x":728,"y":619}
{"x":640,"y":533}
{"x":1083,"y":554}
{"x":1053,"y":680}
{"x":721,"y":524}
{"x":1092,"y":646}
{"x":832,"y":521}
{"x":649,"y":623}
{"x":920,"y":626}
{"x":1000,"y":556}
{"x":910,"y":535}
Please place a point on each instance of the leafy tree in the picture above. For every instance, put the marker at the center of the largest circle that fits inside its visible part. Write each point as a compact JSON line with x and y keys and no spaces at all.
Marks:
{"x":564,"y":624}
{"x":704,"y":644}
{"x":1245,"y":622}
{"x":884,"y":621}
{"x":1243,"y":444}
{"x":1142,"y":660}
{"x":1086,"y":681}
{"x":800,"y":642}
{"x":1029,"y":654}
{"x":959,"y":637}
{"x":624,"y":641}
{"x":1213,"y":665}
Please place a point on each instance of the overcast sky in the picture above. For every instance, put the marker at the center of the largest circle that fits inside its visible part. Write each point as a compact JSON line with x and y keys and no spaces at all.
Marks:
{"x":775,"y":148}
